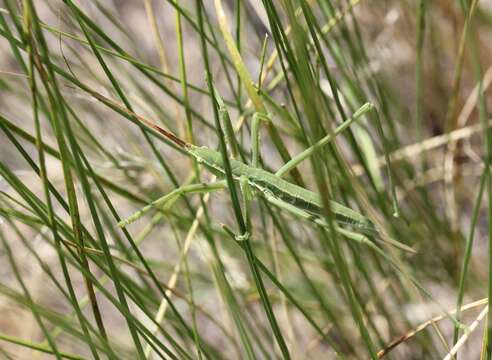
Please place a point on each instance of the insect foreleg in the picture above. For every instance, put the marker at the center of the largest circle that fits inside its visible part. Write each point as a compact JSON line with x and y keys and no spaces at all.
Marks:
{"x":169,"y":199}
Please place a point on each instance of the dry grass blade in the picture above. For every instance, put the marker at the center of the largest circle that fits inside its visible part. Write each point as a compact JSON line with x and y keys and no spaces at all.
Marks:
{"x":382,"y":353}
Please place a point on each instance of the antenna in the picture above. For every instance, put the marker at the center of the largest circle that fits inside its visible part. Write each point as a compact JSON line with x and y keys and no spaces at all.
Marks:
{"x":169,"y":135}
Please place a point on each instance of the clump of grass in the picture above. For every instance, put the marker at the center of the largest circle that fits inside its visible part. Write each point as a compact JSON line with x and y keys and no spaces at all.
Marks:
{"x":198,"y":118}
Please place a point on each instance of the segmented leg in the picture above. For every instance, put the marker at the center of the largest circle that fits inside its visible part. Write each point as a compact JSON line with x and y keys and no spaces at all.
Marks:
{"x":169,"y":199}
{"x":255,"y":137}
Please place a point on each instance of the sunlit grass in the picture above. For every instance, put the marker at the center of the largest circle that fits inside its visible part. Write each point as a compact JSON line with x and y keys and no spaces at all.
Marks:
{"x":356,"y":101}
